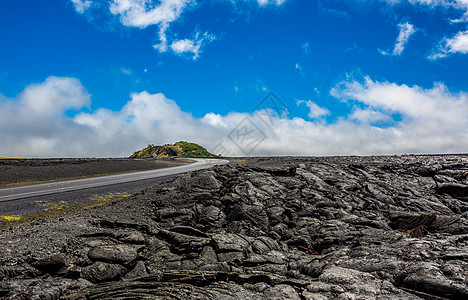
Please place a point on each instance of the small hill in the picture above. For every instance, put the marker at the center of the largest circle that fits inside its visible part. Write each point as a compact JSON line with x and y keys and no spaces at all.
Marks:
{"x":179,"y":149}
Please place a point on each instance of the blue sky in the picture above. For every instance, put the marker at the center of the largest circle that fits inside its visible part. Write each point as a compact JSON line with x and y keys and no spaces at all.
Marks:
{"x":104,"y":78}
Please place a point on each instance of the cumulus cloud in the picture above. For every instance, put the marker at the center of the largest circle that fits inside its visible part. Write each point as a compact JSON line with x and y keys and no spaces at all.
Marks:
{"x":432,"y":121}
{"x":315,"y":111}
{"x":34,"y":123}
{"x":81,"y":5}
{"x":456,"y":44}
{"x":369,"y":116}
{"x":406,"y":30}
{"x":413,"y":102}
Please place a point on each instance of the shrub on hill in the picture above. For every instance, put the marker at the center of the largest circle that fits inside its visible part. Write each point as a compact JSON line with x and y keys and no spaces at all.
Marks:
{"x":179,"y":149}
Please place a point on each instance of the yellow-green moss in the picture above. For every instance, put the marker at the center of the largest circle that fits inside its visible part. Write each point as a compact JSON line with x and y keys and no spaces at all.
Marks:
{"x":108,"y":197}
{"x":11,"y":218}
{"x":52,"y":206}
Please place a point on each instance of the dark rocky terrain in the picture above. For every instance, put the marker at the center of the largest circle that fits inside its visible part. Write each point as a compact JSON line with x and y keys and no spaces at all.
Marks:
{"x":273,"y":228}
{"x":15,"y":171}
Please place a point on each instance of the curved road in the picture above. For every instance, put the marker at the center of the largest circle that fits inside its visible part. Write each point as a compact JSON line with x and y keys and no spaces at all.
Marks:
{"x":34,"y":190}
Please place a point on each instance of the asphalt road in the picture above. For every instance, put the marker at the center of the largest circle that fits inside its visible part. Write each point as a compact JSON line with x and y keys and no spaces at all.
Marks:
{"x":23,"y":200}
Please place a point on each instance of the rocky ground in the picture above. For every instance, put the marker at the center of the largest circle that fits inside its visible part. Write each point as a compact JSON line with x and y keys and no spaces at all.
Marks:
{"x":17,"y":171}
{"x":273,"y":228}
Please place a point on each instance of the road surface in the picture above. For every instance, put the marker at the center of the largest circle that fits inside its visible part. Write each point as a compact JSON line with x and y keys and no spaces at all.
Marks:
{"x":42,"y":189}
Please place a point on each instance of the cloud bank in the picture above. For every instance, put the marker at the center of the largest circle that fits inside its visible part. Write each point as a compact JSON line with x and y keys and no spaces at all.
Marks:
{"x":431,"y":121}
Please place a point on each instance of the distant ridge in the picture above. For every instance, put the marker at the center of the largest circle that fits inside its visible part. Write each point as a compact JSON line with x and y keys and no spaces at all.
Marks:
{"x":179,"y":149}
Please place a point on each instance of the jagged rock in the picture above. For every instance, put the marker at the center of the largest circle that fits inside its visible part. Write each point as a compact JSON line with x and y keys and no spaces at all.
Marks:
{"x":101,"y":272}
{"x":454,"y":189}
{"x":349,"y":284}
{"x":120,"y":254}
{"x":183,"y":243}
{"x":51,"y":264}
{"x":229,"y":243}
{"x":282,"y":291}
{"x":276,"y":170}
{"x":138,"y":271}
{"x":428,"y":278}
{"x":134,"y":237}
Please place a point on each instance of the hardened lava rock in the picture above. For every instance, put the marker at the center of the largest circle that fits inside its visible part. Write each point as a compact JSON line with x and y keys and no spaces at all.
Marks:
{"x":270,"y":228}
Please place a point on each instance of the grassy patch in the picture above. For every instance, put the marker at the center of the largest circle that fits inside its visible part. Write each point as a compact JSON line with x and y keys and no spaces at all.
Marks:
{"x":193,"y":150}
{"x":52,"y":206}
{"x":108,"y":197}
{"x":241,"y":162}
{"x":52,"y":210}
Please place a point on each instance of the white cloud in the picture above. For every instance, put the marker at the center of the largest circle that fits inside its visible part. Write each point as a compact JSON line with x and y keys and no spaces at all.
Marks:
{"x":143,"y":13}
{"x":81,"y":5}
{"x":185,"y":46}
{"x":460,"y":4}
{"x":126,"y":71}
{"x":300,"y":69}
{"x":354,"y":47}
{"x":432,"y":121}
{"x":456,"y":44}
{"x":162,"y":46}
{"x":369,"y":116}
{"x":34,"y":124}
{"x":459,"y":42}
{"x":52,"y":97}
{"x":447,"y":3}
{"x":315,"y":111}
{"x":406,"y":30}
{"x":274,"y":2}
{"x":414,"y":102}
{"x":160,"y":13}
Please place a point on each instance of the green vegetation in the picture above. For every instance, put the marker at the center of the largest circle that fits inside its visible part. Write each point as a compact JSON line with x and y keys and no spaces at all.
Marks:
{"x":109,"y":197}
{"x":52,"y":206}
{"x":179,"y":149}
{"x":193,"y":150}
{"x":60,"y":208}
